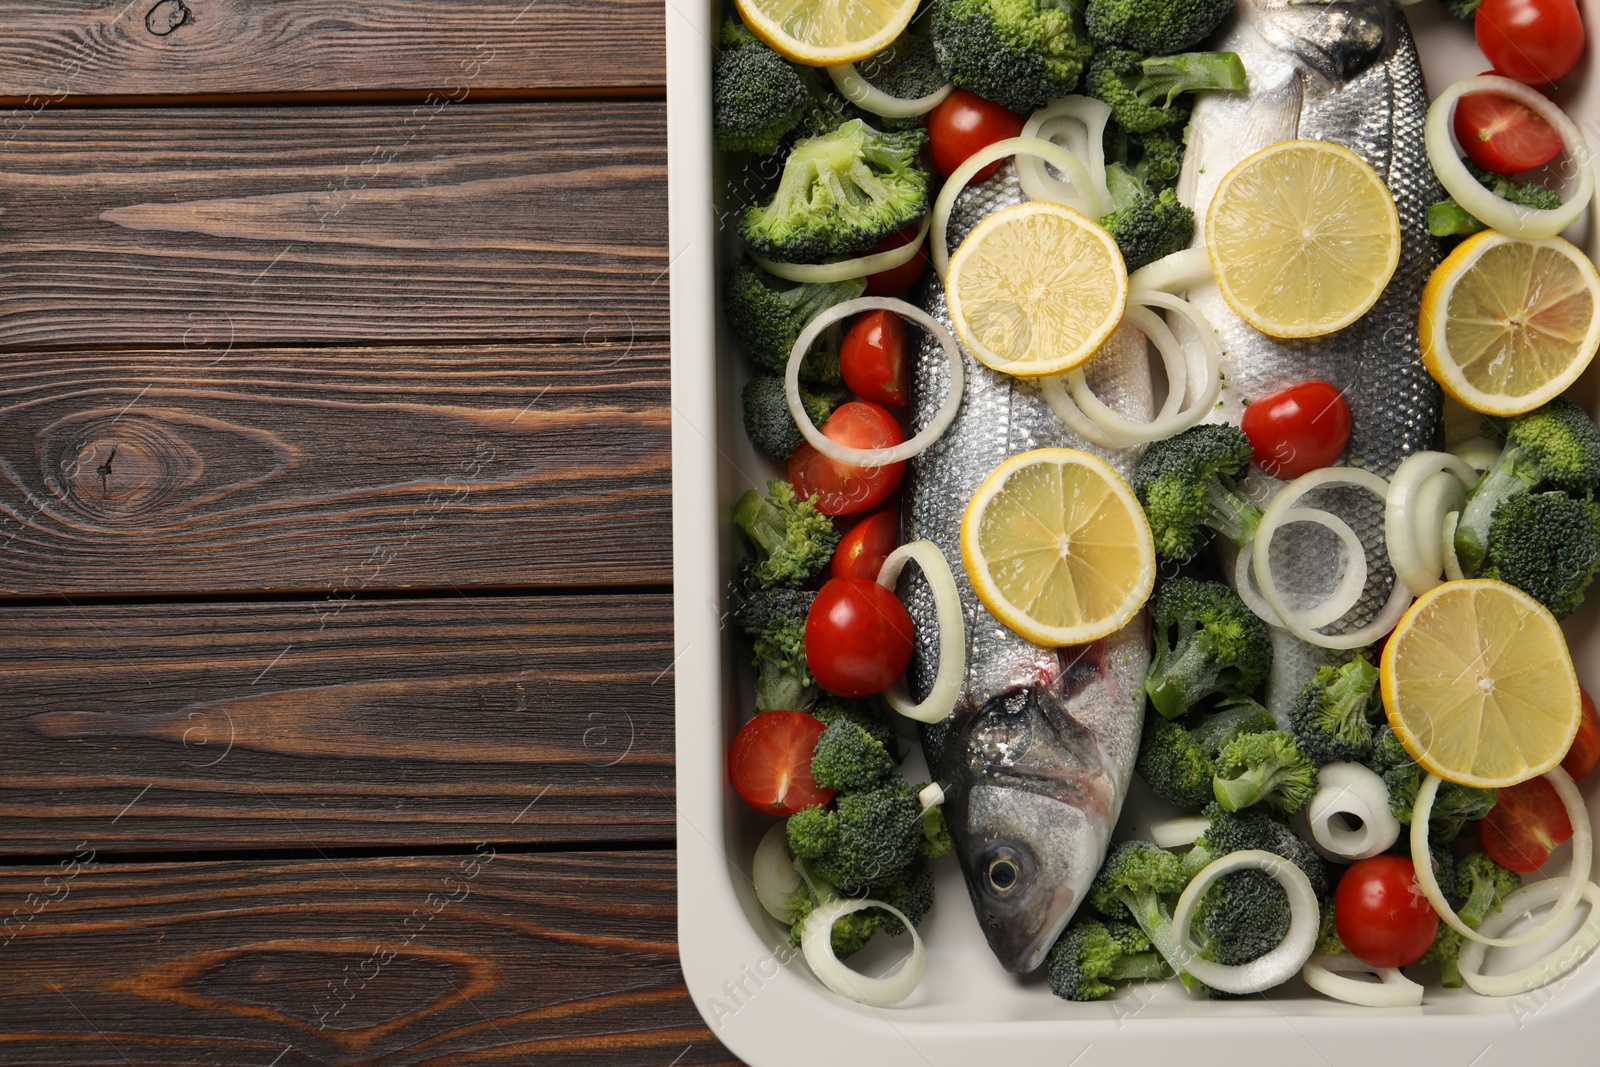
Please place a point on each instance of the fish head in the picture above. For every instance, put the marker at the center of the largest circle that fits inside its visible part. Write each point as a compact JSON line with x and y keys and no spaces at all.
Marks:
{"x":1337,"y":39}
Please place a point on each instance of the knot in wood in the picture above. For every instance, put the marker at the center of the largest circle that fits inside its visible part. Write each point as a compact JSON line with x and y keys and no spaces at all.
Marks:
{"x":120,"y":469}
{"x":167,"y":16}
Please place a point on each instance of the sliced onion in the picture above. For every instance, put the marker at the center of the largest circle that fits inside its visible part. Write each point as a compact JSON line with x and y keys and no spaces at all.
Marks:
{"x":816,"y":941}
{"x":1050,"y":152}
{"x":868,"y":97}
{"x":931,"y":796}
{"x":773,"y":873}
{"x":1176,"y":833}
{"x":1284,"y":960}
{"x":1349,"y":789}
{"x":1399,"y":598}
{"x":1054,"y":391}
{"x":1447,"y":548}
{"x":1347,"y":594}
{"x":1062,"y":118}
{"x":1526,"y":223}
{"x":1477,"y":453}
{"x":1392,"y":990}
{"x":1546,"y":970}
{"x":1175,"y":273}
{"x":844,"y":269}
{"x":1571,"y":889}
{"x":873,"y":457}
{"x":946,"y":688}
{"x":1244,"y":583}
{"x":1425,"y":488}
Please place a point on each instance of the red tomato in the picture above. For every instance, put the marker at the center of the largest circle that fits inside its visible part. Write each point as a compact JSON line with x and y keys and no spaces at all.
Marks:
{"x":1531,"y":41}
{"x":1525,"y":825}
{"x":898,"y":279}
{"x":842,"y":489}
{"x":1500,"y":134}
{"x":1585,"y":750}
{"x":770,"y":762}
{"x":873,"y":358}
{"x":866,"y":545}
{"x":1298,"y":429}
{"x":858,"y":637}
{"x":1381,"y":914}
{"x":964,"y":123}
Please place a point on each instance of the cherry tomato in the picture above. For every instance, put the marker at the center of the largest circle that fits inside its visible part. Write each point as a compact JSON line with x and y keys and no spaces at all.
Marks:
{"x":770,"y":762}
{"x":1585,"y":750}
{"x":858,"y":637}
{"x":873,"y":358}
{"x":1298,"y":429}
{"x":1502,"y":135}
{"x":842,"y":489}
{"x":1381,"y":914}
{"x":898,"y":279}
{"x":865,"y":546}
{"x":1531,"y":41}
{"x":1525,"y":825}
{"x":964,"y":123}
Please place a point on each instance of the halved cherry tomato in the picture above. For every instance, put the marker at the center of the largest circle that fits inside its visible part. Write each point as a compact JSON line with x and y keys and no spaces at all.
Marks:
{"x":1531,"y":41}
{"x":1381,"y":914}
{"x":964,"y":123}
{"x":770,"y":762}
{"x":873,"y":358}
{"x":858,"y":637}
{"x":1502,"y":135}
{"x":1298,"y":429}
{"x":842,"y":489}
{"x":1585,"y":750}
{"x":865,"y":546}
{"x":897,"y":280}
{"x":1525,"y":825}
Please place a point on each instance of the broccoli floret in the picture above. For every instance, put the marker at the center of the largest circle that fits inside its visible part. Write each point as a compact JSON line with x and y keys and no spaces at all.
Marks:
{"x":829,"y":709}
{"x":936,"y":840}
{"x":1449,"y":219}
{"x":1264,"y":768}
{"x":1547,"y":545}
{"x":756,"y":98}
{"x":1178,"y":760}
{"x":793,"y":540}
{"x":1254,"y":828}
{"x":735,"y":34}
{"x":1159,"y":27}
{"x":1555,"y":445}
{"x":1328,"y":942}
{"x":1019,"y":53}
{"x":1206,"y":642}
{"x":1092,"y":954}
{"x":1483,"y":886}
{"x":1185,"y":485}
{"x":1244,"y":915}
{"x":1153,"y":158}
{"x":1145,"y":225}
{"x":910,"y":891}
{"x":766,"y":415}
{"x":1329,"y":717}
{"x":1453,"y":806}
{"x":869,"y":836}
{"x":1132,"y":881}
{"x":775,"y":618}
{"x":908,"y":68}
{"x":1141,"y":89}
{"x":840,"y":194}
{"x":847,"y":758}
{"x":1446,"y":953}
{"x":767,"y":315}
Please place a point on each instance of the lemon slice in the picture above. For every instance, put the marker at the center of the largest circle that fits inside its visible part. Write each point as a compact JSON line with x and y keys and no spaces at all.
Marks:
{"x":1303,"y":237}
{"x":822,"y":33}
{"x":1479,"y":686}
{"x":1057,"y":547}
{"x":1507,"y":324}
{"x":1036,"y":288}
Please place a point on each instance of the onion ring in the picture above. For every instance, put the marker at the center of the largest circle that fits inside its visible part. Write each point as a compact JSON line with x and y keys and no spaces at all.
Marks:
{"x":868,"y":97}
{"x":773,"y":873}
{"x":816,"y":941}
{"x":946,"y":688}
{"x":845,"y":269}
{"x":1175,"y":273}
{"x":1054,"y":390}
{"x":1244,"y":583}
{"x":873,"y":457}
{"x":1276,"y":966}
{"x":1412,"y":516}
{"x":1541,"y":973}
{"x":1061,"y":117}
{"x":1477,"y":454}
{"x":1447,"y":548}
{"x":1350,"y":788}
{"x":1392,"y":990}
{"x":1178,"y":832}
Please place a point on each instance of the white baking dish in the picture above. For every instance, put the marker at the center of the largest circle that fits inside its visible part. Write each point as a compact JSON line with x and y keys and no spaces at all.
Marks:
{"x":756,"y":993}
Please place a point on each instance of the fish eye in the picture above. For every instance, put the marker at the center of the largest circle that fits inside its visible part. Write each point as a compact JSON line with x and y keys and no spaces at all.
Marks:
{"x":1003,"y":875}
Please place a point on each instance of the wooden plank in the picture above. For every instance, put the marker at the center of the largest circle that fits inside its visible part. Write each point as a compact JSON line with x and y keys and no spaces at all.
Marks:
{"x":336,"y":722}
{"x":83,"y":48}
{"x":333,"y":470}
{"x":484,"y":958}
{"x":434,"y":223}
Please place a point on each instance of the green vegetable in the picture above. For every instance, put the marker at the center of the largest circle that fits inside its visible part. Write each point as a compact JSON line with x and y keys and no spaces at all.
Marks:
{"x":1159,"y":27}
{"x":1547,"y":545}
{"x":767,"y":315}
{"x":767,"y":420}
{"x":1329,"y":717}
{"x":756,"y":96}
{"x":1555,"y":445}
{"x":1264,"y":768}
{"x":1092,"y":954}
{"x":1254,"y":828}
{"x":936,"y":840}
{"x":910,"y":890}
{"x":840,"y":194}
{"x":1454,"y":805}
{"x":1462,"y":9}
{"x":1241,"y":917}
{"x":867,"y":837}
{"x":1483,"y":886}
{"x":1019,"y":53}
{"x":1206,"y":642}
{"x":793,"y":540}
{"x":1185,"y":485}
{"x":1446,"y":947}
{"x":1145,"y":225}
{"x":775,"y":618}
{"x":907,"y":69}
{"x":829,"y":709}
{"x":1134,"y":879}
{"x":1328,"y":942}
{"x":1178,"y":759}
{"x":849,"y":758}
{"x":1141,"y":89}
{"x":1153,"y":158}
{"x":1449,"y":219}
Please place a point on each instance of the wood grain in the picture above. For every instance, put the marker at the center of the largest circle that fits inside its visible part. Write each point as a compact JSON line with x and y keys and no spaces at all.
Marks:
{"x":333,"y":470}
{"x":334,"y":721}
{"x":484,"y":958}
{"x":82,"y":48}
{"x":437,"y":223}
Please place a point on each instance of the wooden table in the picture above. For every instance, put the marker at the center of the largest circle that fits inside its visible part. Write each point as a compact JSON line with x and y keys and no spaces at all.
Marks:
{"x":336,"y":648}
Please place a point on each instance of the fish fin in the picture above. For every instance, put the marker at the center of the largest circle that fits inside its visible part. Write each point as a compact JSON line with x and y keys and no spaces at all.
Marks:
{"x":1274,"y":116}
